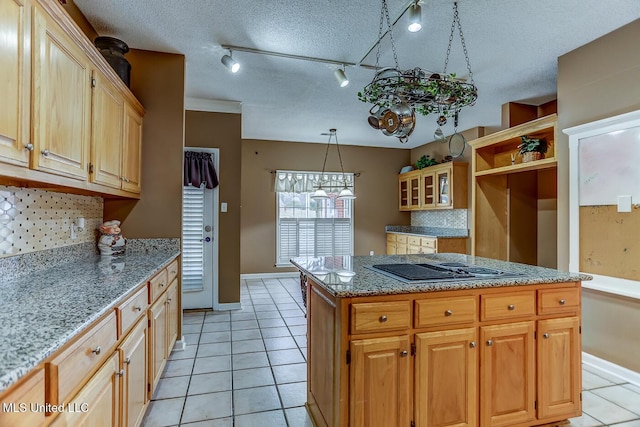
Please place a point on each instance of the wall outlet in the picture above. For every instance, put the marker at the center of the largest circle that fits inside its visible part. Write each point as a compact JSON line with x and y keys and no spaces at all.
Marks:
{"x":371,"y":253}
{"x":223,"y":207}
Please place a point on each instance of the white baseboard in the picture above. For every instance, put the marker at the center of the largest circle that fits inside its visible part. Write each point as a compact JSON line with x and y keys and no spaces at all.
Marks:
{"x":611,"y":368}
{"x":180,"y":344}
{"x":270,"y":275}
{"x":226,"y":306}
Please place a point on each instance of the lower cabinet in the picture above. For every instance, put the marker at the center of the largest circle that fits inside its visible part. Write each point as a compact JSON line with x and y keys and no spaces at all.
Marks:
{"x":17,"y":406}
{"x":400,"y":244}
{"x":157,"y":341}
{"x":98,"y":402}
{"x":446,"y":378}
{"x":380,"y":382}
{"x":172,"y":315}
{"x":133,"y":354}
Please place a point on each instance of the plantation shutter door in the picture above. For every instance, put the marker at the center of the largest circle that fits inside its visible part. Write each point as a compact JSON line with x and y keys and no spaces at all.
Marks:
{"x":342,"y":236}
{"x":288,"y":239}
{"x":192,"y":238}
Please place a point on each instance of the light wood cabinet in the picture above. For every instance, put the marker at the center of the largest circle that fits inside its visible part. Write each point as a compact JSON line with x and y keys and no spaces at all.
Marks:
{"x":400,"y":244}
{"x":475,"y":357}
{"x":61,"y":100}
{"x":172,"y":315}
{"x":380,"y":385}
{"x":133,"y":356}
{"x":98,"y":403}
{"x":157,"y":340}
{"x":14,"y":82}
{"x":18,"y":404}
{"x":446,"y":378}
{"x":132,"y":150}
{"x":443,"y":186}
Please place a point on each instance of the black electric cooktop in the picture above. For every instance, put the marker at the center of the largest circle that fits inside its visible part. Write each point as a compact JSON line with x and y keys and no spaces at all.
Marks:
{"x":439,"y":272}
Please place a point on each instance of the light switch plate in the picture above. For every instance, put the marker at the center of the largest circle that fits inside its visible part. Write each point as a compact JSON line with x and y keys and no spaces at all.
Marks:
{"x":624,"y":203}
{"x":223,"y":207}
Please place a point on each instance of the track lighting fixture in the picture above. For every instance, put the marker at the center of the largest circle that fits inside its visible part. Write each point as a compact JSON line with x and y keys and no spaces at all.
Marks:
{"x":230,"y":63}
{"x":415,"y":17}
{"x":341,"y":77}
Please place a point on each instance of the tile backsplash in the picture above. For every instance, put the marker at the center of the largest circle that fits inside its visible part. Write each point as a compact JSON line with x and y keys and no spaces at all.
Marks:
{"x":33,"y":220}
{"x":449,"y":218}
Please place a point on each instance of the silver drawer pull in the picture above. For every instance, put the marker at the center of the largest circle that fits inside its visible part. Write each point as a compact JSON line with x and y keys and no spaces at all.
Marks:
{"x":174,"y":272}
{"x":472,"y":344}
{"x":127,"y":361}
{"x":383,"y":318}
{"x":489,"y":343}
{"x":562,"y":301}
{"x":137,"y":308}
{"x":45,"y":153}
{"x":162,"y":285}
{"x":545,"y":335}
{"x":448,"y":313}
{"x":96,"y":350}
{"x":29,"y":147}
{"x":404,"y":353}
{"x":120,"y":373}
{"x":511,"y":307}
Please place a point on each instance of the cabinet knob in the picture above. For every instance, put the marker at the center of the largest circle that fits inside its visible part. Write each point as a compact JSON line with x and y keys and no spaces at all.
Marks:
{"x":168,"y":300}
{"x":511,"y":307}
{"x":137,"y":308}
{"x":162,"y":285}
{"x":404,"y":353}
{"x":96,"y":350}
{"x":383,"y":318}
{"x":448,"y":313}
{"x":175,"y":272}
{"x":45,"y":153}
{"x":562,"y":301}
{"x":545,"y":335}
{"x":472,"y":344}
{"x":489,"y":343}
{"x":126,"y":179}
{"x":120,"y":373}
{"x":29,"y":147}
{"x":127,"y":361}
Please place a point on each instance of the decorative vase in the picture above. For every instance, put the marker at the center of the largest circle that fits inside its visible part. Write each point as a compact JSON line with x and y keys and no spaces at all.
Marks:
{"x":113,"y":51}
{"x":530,"y":156}
{"x":111,"y":244}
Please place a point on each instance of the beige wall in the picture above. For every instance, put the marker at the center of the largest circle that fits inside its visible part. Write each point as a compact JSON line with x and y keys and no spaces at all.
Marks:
{"x":221,"y":130}
{"x":596,"y":81}
{"x":376,"y":190}
{"x":157,"y":80}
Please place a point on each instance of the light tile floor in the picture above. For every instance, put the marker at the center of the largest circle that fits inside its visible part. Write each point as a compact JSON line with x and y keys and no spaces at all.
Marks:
{"x":247,"y":368}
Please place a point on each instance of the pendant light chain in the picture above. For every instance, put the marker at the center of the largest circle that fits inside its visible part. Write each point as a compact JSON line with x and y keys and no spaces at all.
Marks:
{"x":456,"y":21}
{"x":384,"y":16}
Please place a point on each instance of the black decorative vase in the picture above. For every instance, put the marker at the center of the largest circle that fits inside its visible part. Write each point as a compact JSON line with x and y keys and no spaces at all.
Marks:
{"x":113,"y":51}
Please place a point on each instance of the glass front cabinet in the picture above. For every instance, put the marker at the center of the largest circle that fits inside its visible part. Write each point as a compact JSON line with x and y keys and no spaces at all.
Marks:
{"x":443,"y":186}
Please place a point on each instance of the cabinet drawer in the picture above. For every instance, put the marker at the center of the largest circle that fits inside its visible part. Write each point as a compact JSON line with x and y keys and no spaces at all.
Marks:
{"x":558,"y":300}
{"x":413,"y":240}
{"x":30,"y":391}
{"x":67,"y":370}
{"x":172,"y":270}
{"x":157,"y":285}
{"x":401,"y":238}
{"x":132,"y":309}
{"x":380,"y":316}
{"x":391,"y":238}
{"x":424,"y":250}
{"x":429,"y":242}
{"x":445,"y":311}
{"x":505,"y":306}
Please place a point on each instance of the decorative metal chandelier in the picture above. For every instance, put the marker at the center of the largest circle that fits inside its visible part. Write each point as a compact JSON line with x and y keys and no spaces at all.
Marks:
{"x":345,"y":193}
{"x":397,"y":94}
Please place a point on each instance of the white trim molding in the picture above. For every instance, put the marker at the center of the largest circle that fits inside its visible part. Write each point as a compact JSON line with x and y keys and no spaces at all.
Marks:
{"x":282,"y":275}
{"x":613,"y":285}
{"x":212,"y":105}
{"x":227,"y":306}
{"x":611,"y":368}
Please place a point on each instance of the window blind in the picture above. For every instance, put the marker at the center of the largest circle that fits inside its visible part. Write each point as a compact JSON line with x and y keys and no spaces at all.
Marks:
{"x":192,"y":238}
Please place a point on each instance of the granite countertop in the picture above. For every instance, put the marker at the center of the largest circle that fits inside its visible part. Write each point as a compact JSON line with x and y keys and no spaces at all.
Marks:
{"x":349,"y":276}
{"x":439,"y":232}
{"x":42,"y":310}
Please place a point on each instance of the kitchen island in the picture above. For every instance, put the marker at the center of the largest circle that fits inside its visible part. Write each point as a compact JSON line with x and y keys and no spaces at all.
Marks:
{"x":474,"y":351}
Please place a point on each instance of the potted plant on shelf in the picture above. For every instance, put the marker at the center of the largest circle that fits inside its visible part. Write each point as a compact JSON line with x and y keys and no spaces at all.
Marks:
{"x":532,"y":148}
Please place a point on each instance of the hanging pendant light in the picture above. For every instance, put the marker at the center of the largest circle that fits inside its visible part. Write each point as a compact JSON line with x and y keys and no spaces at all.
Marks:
{"x":415,"y":17}
{"x":346,"y":193}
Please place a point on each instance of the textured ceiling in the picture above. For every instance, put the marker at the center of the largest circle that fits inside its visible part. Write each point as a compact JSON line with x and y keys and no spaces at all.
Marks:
{"x":513,"y":47}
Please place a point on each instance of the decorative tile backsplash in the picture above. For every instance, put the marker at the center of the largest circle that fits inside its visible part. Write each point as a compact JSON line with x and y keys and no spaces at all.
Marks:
{"x":34,"y":220}
{"x":450,"y":218}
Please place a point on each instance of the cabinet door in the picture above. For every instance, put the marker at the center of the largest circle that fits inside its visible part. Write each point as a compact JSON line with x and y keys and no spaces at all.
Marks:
{"x":559,"y":367}
{"x":172,"y":315}
{"x":131,"y":150}
{"x":16,"y":403}
{"x":414,"y":191}
{"x":446,"y":378}
{"x":380,"y":388}
{"x":133,"y":351}
{"x":14,"y":81}
{"x":428,"y":189}
{"x":61,"y":100}
{"x":106,"y":132}
{"x":403,"y":194}
{"x":98,"y":403}
{"x":507,"y":367}
{"x":157,"y":341}
{"x":443,"y":189}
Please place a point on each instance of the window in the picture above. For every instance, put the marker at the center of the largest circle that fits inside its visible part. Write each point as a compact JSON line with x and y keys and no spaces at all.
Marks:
{"x":308,"y":227}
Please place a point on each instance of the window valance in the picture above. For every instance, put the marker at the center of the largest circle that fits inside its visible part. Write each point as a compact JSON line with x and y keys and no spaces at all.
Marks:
{"x":307,"y":182}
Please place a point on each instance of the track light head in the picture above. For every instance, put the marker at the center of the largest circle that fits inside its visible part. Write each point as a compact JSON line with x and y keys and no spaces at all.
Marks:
{"x":341,"y":77}
{"x":230,"y":63}
{"x":415,"y":17}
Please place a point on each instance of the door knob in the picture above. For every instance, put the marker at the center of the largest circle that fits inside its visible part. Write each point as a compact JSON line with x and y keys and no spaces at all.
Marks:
{"x":207,"y":239}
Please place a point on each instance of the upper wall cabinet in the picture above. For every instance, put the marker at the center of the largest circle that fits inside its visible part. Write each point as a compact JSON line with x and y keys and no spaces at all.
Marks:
{"x":68,"y":120}
{"x":443,"y":186}
{"x":14,"y":82}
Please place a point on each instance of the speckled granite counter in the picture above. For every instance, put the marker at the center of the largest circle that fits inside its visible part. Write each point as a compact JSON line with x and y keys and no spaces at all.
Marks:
{"x":336,"y":274}
{"x":439,"y":232}
{"x":43,"y":307}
